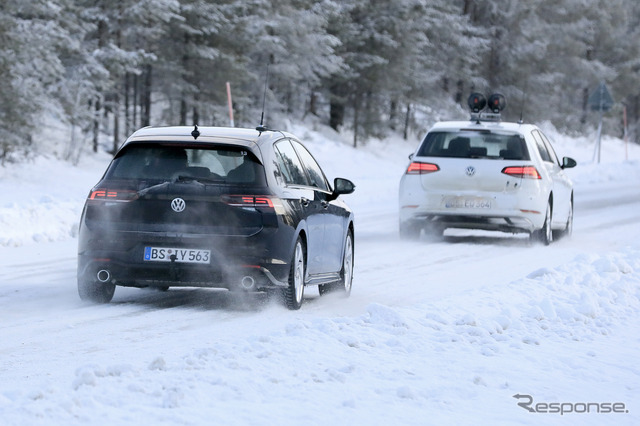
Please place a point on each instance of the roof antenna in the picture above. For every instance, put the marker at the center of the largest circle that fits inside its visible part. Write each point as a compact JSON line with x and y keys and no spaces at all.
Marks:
{"x":261,"y":128}
{"x":524,"y":93}
{"x":195,"y":132}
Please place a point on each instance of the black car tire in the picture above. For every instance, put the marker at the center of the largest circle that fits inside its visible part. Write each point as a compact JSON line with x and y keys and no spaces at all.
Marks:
{"x":346,"y":273}
{"x":95,"y":291}
{"x":294,"y":293}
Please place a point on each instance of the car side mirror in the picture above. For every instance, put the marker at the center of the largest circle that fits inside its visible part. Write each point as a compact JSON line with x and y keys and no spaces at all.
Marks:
{"x":342,"y":186}
{"x":568,"y":162}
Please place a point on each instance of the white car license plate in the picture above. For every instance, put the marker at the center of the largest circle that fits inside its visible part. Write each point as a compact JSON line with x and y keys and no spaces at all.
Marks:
{"x":182,"y":255}
{"x":467,"y":203}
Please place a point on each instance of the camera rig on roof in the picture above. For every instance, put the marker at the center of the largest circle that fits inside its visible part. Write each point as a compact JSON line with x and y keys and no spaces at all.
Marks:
{"x":477,"y":104}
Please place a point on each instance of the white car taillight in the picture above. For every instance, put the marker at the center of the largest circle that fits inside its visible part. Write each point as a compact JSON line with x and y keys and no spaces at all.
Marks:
{"x":418,"y":168}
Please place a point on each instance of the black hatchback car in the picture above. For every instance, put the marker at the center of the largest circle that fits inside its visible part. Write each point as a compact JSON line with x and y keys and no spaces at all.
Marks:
{"x":231,"y":208}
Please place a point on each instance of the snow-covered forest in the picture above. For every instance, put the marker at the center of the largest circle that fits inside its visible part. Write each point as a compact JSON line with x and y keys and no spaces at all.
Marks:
{"x":103,"y":68}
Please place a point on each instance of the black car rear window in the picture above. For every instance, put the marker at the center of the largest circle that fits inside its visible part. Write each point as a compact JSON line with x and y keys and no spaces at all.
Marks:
{"x":472,"y":144}
{"x":171,"y":162}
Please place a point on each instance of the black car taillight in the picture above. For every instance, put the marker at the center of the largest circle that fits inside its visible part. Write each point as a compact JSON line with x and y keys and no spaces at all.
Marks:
{"x":527,"y":172}
{"x":418,"y":168}
{"x":103,"y":194}
{"x":261,"y":202}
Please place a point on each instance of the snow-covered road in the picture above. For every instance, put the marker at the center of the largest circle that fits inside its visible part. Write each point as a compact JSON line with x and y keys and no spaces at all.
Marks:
{"x":435,"y":332}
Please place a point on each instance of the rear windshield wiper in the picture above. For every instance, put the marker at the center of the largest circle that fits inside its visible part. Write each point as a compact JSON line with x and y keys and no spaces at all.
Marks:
{"x":144,"y":191}
{"x":188,"y":178}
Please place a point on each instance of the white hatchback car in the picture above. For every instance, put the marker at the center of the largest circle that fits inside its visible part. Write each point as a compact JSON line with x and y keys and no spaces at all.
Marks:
{"x":486,"y":174}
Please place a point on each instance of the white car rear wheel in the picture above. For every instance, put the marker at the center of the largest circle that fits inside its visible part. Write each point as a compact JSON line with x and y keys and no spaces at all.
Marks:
{"x":568,"y":229}
{"x":409,"y":231}
{"x":545,"y":234}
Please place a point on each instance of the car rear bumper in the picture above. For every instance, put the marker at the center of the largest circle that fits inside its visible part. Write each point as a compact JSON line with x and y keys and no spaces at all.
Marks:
{"x":507,"y":223}
{"x":494,"y":211}
{"x":249,"y":263}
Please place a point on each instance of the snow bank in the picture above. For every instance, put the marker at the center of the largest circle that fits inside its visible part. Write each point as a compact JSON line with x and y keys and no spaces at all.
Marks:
{"x":457,"y":358}
{"x":42,"y":200}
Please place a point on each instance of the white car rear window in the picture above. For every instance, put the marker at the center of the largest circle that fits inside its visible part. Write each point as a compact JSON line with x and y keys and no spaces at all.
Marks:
{"x":474,"y":144}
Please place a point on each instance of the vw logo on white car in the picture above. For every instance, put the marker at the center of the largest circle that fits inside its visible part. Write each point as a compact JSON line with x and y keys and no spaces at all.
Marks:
{"x":470,"y":171}
{"x":178,"y":205}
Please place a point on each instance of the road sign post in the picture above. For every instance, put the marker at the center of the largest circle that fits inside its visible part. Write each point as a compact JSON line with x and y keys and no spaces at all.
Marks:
{"x":600,"y":100}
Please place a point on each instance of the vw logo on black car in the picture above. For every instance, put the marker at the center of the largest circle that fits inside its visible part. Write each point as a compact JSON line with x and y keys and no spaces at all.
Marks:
{"x":178,"y":205}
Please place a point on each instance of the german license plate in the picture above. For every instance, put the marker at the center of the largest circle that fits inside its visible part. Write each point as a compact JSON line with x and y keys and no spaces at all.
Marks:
{"x":181,"y":255}
{"x":467,"y":203}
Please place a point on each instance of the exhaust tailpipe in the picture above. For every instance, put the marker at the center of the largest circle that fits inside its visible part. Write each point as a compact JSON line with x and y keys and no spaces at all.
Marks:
{"x":248,"y":282}
{"x":103,"y":276}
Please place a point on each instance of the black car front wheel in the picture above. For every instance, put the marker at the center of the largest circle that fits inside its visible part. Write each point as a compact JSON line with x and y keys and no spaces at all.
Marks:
{"x":346,"y":274}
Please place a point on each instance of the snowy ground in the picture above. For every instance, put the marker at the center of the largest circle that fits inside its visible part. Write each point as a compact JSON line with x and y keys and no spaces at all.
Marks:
{"x":440,"y":332}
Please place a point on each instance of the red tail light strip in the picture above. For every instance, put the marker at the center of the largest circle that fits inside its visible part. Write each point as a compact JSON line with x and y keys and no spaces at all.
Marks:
{"x":263,"y":201}
{"x":101,"y":193}
{"x":248,"y":201}
{"x":527,"y":172}
{"x":417,"y":168}
{"x":112,"y":195}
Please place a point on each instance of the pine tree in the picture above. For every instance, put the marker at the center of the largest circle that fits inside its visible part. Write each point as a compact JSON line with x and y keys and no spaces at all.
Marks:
{"x":105,"y":67}
{"x":29,"y":70}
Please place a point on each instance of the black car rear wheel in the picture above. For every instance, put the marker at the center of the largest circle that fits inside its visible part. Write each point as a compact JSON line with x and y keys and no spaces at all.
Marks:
{"x":96,"y":291}
{"x":294,"y":293}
